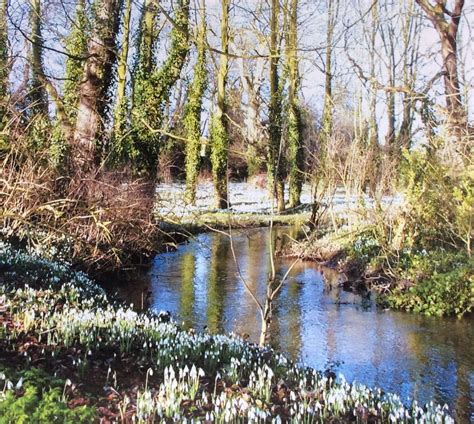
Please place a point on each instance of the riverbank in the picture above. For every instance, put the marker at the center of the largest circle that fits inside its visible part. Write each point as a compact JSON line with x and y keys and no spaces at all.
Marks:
{"x":438,"y":281}
{"x":65,"y":344}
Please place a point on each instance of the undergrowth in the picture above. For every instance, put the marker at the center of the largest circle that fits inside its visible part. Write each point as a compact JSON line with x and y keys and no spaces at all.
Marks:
{"x":33,"y":396}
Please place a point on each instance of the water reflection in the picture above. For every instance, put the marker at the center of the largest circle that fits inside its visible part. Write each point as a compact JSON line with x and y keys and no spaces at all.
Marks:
{"x":316,"y":322}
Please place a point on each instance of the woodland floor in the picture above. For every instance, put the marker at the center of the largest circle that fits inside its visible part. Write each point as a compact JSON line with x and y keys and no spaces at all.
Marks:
{"x":251,"y":205}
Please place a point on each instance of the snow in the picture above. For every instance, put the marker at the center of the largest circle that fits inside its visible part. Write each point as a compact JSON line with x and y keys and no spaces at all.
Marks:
{"x":247,"y":198}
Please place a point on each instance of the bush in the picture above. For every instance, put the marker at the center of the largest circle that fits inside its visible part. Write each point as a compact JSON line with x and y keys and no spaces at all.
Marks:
{"x":103,"y":222}
{"x":424,"y":248}
{"x":441,"y":283}
{"x":439,"y":203}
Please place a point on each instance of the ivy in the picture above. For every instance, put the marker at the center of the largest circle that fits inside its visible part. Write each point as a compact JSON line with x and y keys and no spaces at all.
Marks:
{"x":152,"y":91}
{"x":295,"y":153}
{"x":192,"y":115}
{"x":76,"y":47}
{"x":219,"y":136}
{"x":219,"y":143}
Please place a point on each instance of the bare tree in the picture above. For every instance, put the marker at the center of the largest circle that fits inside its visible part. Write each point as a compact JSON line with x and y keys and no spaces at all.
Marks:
{"x":446,"y":23}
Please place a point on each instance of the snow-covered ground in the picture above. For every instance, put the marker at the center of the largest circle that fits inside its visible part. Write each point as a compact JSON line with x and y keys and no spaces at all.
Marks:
{"x":249,"y":198}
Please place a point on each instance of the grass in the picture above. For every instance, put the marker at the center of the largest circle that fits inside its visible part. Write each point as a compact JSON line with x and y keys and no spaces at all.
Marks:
{"x":180,"y":229}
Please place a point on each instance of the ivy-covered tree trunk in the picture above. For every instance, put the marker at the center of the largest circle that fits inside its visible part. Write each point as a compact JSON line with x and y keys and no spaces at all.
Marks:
{"x":76,"y":47}
{"x":275,"y":152}
{"x":192,"y":115}
{"x":152,"y":91}
{"x":121,"y":106}
{"x":295,"y":135}
{"x":219,"y":124}
{"x":66,"y":107}
{"x":147,"y":37}
{"x":37,"y":94}
{"x":4,"y":71}
{"x":95,"y":85}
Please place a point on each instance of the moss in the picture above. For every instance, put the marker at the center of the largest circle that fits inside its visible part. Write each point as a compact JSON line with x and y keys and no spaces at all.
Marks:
{"x":220,"y":220}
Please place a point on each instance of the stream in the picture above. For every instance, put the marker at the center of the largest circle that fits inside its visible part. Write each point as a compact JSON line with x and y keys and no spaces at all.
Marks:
{"x":315,"y":321}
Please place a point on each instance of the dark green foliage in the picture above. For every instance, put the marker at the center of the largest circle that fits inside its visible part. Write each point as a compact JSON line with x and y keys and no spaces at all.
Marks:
{"x":365,"y":248}
{"x":39,"y":399}
{"x":440,"y":283}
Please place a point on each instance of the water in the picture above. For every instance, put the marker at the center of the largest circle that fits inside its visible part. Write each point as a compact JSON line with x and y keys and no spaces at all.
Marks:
{"x":315,"y":321}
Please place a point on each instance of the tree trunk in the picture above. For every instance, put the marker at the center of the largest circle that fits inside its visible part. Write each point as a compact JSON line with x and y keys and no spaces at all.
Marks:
{"x":446,"y":23}
{"x":220,"y":130}
{"x":327,"y":118}
{"x":96,"y":82}
{"x":193,"y":110}
{"x":152,"y":89}
{"x":295,"y":136}
{"x":76,"y":45}
{"x":252,"y":83}
{"x":411,"y":37}
{"x":276,"y":157}
{"x":38,"y":95}
{"x":121,"y":105}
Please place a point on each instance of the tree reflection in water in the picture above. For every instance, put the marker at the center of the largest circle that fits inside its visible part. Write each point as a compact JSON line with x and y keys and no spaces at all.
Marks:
{"x":315,"y":321}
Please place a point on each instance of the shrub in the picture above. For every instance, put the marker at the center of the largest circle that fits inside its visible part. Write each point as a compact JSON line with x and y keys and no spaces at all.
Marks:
{"x":442,"y":284}
{"x":103,"y":222}
{"x":439,"y":203}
